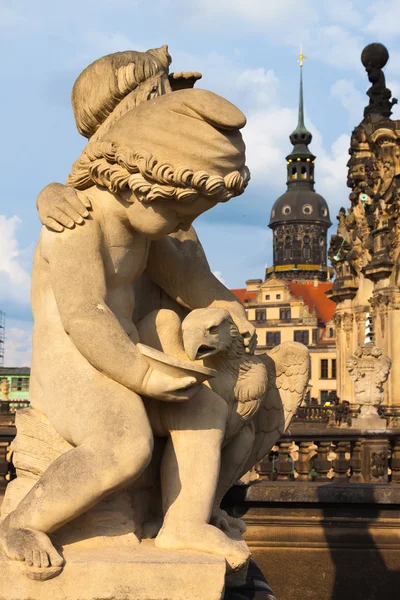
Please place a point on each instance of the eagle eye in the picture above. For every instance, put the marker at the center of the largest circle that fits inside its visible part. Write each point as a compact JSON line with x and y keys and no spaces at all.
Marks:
{"x":213,"y":329}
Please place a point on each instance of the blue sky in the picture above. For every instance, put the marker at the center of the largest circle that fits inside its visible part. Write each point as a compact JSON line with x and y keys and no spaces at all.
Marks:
{"x":247,"y":51}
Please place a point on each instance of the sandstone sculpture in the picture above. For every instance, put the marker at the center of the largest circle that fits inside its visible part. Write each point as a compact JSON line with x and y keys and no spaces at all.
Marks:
{"x":108,"y":454}
{"x":365,"y":252}
{"x":5,"y":389}
{"x":369,"y":370}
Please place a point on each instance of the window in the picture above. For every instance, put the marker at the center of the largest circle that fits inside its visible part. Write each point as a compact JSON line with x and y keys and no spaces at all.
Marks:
{"x":273,"y":338}
{"x":315,"y":336}
{"x":285,"y":314}
{"x":307,"y":253}
{"x":294,"y":173}
{"x":260,"y":314}
{"x":331,"y":332}
{"x":303,"y":173}
{"x":307,"y":209}
{"x":278,"y":296}
{"x":324,"y":368}
{"x":286,"y":210}
{"x":324,"y":396}
{"x":333,"y":368}
{"x":19,"y":384}
{"x":302,"y":336}
{"x":267,"y":297}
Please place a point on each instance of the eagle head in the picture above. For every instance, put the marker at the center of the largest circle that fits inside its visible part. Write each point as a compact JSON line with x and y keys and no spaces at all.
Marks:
{"x":207,"y":331}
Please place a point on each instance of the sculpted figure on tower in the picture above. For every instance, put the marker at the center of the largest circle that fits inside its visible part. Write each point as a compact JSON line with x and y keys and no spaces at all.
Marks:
{"x":365,"y":251}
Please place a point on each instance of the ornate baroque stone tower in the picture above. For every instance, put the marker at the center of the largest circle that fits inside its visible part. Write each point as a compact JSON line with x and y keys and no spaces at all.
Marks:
{"x":365,"y":252}
{"x":300,"y":217}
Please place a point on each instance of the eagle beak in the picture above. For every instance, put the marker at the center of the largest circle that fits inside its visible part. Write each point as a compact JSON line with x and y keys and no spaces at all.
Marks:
{"x":195,"y":347}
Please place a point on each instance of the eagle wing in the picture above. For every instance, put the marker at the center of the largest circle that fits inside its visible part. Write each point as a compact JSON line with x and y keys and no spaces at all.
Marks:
{"x":288,"y":367}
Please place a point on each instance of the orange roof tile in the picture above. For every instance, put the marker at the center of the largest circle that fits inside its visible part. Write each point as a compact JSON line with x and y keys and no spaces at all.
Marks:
{"x":242,"y":294}
{"x":315,"y":297}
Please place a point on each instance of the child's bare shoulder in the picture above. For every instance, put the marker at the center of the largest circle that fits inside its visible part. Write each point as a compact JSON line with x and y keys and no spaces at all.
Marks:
{"x":79,"y":239}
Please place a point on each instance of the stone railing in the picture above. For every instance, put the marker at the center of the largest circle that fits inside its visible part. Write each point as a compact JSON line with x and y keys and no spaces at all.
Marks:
{"x":334,"y":455}
{"x":10,"y":406}
{"x":342,"y":415}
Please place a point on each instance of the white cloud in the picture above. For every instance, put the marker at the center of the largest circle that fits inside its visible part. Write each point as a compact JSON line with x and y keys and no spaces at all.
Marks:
{"x":279,"y":17}
{"x":343,"y":11}
{"x":267,"y":142}
{"x":258,"y":86}
{"x":350,"y":98}
{"x":14,"y":279}
{"x":9,"y":17}
{"x":385,"y":19}
{"x":331,"y":174}
{"x":241,"y":253}
{"x":18,"y":345}
{"x":218,"y":275}
{"x":326,"y":29}
{"x":335,"y":46}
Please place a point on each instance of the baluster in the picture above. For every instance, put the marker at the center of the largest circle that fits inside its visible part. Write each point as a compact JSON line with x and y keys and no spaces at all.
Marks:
{"x":321,"y":464}
{"x":285,"y":464}
{"x":395,"y":462}
{"x":303,"y":464}
{"x":356,"y":464}
{"x":265,"y":467}
{"x":341,"y":464}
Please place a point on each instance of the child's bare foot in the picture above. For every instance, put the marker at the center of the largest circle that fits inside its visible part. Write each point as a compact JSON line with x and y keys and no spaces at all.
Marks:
{"x":205,"y":538}
{"x":33,"y":549}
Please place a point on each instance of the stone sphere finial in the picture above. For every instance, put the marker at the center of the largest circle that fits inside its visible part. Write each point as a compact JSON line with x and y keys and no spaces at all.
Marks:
{"x":375,"y":54}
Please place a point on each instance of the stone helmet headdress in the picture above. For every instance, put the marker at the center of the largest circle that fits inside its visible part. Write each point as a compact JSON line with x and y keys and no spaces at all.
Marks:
{"x":176,"y":146}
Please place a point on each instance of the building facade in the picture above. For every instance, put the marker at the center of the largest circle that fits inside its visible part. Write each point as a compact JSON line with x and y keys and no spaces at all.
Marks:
{"x":18,"y":379}
{"x":287,"y":311}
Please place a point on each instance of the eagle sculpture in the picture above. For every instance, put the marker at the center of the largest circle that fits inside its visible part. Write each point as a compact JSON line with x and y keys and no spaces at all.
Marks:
{"x":262,"y":391}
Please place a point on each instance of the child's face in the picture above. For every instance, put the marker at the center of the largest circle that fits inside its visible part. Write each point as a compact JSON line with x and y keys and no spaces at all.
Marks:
{"x":161,"y":217}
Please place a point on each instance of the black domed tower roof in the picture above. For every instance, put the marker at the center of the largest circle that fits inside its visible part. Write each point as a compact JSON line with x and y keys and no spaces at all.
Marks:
{"x":300,"y":213}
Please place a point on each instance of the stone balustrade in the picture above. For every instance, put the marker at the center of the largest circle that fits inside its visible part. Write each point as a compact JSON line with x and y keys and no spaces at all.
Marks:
{"x":333,"y":454}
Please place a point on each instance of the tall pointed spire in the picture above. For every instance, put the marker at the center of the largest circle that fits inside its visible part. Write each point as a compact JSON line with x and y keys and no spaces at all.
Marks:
{"x":301,"y":136}
{"x":300,"y":216}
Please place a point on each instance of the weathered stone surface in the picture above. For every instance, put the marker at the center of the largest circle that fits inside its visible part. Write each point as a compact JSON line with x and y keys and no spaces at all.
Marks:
{"x":123,"y":441}
{"x":112,"y":574}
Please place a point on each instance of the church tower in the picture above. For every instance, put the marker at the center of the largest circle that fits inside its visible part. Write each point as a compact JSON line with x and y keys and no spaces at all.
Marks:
{"x":300,"y":217}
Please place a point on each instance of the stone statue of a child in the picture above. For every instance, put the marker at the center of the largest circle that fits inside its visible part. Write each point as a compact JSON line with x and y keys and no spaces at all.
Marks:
{"x":153,"y":172}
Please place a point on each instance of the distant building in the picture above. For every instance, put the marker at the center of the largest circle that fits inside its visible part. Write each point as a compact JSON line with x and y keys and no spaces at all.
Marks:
{"x":284,"y":311}
{"x":18,"y":378}
{"x":291,"y":303}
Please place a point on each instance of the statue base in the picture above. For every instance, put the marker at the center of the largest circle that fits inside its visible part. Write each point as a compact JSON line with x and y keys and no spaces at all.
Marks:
{"x":145,"y":573}
{"x":369,"y":419}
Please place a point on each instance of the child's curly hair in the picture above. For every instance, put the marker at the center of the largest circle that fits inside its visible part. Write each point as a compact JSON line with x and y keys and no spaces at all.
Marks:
{"x":119,"y":168}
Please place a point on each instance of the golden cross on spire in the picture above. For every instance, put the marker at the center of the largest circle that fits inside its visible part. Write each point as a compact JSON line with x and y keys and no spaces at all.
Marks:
{"x":301,"y":56}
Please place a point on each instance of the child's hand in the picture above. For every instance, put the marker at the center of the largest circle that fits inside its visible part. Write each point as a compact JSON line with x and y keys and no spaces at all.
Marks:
{"x":59,"y":206}
{"x":161,"y":386}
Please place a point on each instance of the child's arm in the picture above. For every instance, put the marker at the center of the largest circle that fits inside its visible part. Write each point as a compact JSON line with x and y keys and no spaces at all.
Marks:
{"x":79,"y":286}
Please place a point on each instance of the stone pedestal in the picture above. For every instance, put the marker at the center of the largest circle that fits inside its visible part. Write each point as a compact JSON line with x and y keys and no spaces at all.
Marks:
{"x":144,"y":573}
{"x":369,"y":419}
